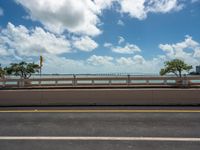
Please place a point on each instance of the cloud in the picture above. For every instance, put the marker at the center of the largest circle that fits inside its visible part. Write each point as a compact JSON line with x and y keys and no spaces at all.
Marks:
{"x":139,"y":65}
{"x":103,"y":4}
{"x":58,"y":64}
{"x":139,"y":59}
{"x":102,"y":64}
{"x":107,"y":45}
{"x":140,"y":8}
{"x":20,"y":41}
{"x":97,"y":64}
{"x":80,"y":16}
{"x":129,"y":61}
{"x":125,"y":61}
{"x":121,"y":39}
{"x":120,"y":22}
{"x":126,"y":49}
{"x":167,"y":48}
{"x":164,"y":6}
{"x":186,"y":50}
{"x":100,"y":60}
{"x":1,"y":11}
{"x":83,"y":16}
{"x":197,"y":52}
{"x":135,"y":9}
{"x":85,"y":44}
{"x":3,"y":50}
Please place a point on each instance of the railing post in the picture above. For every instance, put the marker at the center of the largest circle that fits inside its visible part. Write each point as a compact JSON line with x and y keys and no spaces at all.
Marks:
{"x":92,"y":82}
{"x":56,"y":82}
{"x":74,"y":80}
{"x":39,"y":82}
{"x":147,"y":82}
{"x":22,"y":83}
{"x":128,"y":80}
{"x":185,"y":81}
{"x":18,"y":83}
{"x":4,"y":83}
{"x":110,"y":81}
{"x":165,"y":81}
{"x":179,"y":82}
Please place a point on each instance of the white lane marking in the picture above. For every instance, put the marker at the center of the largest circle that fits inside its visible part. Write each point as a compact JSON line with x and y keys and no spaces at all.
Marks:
{"x":88,"y":138}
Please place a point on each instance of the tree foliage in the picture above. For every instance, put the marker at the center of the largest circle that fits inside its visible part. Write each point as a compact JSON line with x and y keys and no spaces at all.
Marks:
{"x":22,"y":69}
{"x":175,"y":66}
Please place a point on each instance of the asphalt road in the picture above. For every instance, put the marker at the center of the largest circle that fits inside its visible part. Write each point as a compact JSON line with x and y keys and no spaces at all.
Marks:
{"x":145,"y":130}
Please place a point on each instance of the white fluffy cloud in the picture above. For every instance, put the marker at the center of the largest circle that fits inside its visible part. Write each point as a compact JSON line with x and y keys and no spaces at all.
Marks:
{"x":139,"y":59}
{"x":125,"y":61}
{"x":102,"y":64}
{"x":3,"y":50}
{"x":140,"y":8}
{"x":20,"y":41}
{"x":103,"y":4}
{"x":197,"y":53}
{"x":100,"y":60}
{"x":128,"y":61}
{"x":85,"y":44}
{"x":135,"y":8}
{"x":107,"y":45}
{"x":78,"y":16}
{"x":58,"y":64}
{"x":187,"y":50}
{"x":164,"y":6}
{"x":82,"y":16}
{"x":126,"y":49}
{"x":137,"y":64}
{"x":1,"y":11}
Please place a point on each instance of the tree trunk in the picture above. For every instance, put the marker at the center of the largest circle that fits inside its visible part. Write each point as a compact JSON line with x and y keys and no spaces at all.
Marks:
{"x":180,"y":74}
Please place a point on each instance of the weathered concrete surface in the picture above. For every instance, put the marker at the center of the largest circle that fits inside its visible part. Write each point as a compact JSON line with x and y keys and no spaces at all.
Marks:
{"x":151,"y":96}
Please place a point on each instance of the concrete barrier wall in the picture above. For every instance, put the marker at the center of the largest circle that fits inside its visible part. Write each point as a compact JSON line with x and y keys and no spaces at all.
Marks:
{"x":100,"y":97}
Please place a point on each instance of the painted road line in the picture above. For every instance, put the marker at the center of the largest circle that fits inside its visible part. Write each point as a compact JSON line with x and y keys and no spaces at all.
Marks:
{"x":82,"y":138}
{"x":99,"y":111}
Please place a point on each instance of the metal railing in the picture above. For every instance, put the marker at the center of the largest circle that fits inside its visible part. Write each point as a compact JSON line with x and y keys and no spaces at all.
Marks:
{"x":109,"y":81}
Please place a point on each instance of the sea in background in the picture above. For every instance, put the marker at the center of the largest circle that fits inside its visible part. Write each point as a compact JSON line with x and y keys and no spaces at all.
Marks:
{"x":37,"y":76}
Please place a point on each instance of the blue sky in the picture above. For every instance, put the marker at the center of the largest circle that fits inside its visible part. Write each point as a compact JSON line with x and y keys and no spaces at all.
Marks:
{"x":100,"y":36}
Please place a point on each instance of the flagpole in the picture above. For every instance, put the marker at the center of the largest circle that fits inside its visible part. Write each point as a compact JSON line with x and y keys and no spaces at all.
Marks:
{"x":41,"y":64}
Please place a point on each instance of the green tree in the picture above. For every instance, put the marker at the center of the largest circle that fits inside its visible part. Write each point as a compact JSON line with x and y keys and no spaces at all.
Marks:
{"x":175,"y":66}
{"x":22,"y":69}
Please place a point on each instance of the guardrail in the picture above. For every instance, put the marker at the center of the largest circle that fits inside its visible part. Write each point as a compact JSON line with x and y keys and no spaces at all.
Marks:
{"x":122,"y":81}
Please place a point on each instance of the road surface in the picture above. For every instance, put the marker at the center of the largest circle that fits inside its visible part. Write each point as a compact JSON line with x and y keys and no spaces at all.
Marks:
{"x":176,"y":128}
